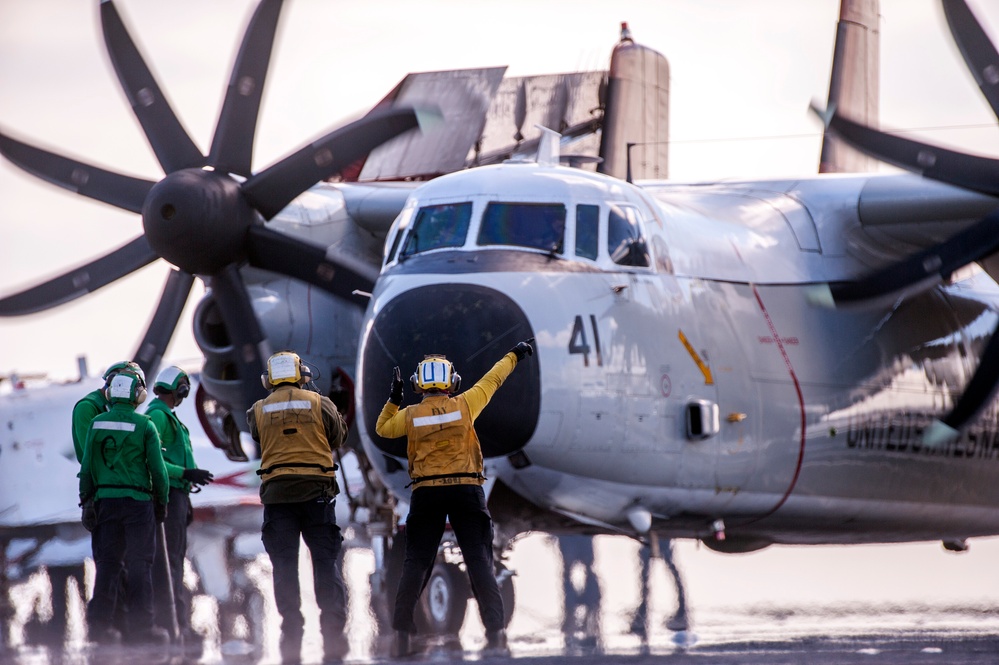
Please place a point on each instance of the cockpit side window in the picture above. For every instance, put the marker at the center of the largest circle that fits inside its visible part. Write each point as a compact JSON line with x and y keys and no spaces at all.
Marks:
{"x":402,"y":226}
{"x":437,"y":226}
{"x":625,"y":243}
{"x":537,"y":225}
{"x":587,"y":230}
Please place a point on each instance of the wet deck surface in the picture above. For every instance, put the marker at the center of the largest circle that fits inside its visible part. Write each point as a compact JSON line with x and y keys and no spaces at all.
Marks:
{"x":816,"y":606}
{"x":873,"y":649}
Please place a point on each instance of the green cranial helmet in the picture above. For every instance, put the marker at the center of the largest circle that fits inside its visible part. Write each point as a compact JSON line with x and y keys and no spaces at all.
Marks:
{"x":173,"y":380}
{"x":129,"y":365}
{"x":125,"y":386}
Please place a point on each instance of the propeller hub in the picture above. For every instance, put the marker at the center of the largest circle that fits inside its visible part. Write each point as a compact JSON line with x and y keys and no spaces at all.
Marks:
{"x":197,"y":220}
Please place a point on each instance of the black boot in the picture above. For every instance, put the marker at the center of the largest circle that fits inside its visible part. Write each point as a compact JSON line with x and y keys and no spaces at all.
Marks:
{"x":335,"y":646}
{"x":291,"y":649}
{"x":401,"y":645}
{"x":106,"y":636}
{"x":496,"y":641}
{"x":152,"y":635}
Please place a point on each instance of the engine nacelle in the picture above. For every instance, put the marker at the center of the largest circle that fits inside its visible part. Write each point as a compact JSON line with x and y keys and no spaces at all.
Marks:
{"x":321,"y":329}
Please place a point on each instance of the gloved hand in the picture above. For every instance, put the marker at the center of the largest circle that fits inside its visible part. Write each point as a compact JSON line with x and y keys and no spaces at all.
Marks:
{"x":523,"y":349}
{"x":198,"y":476}
{"x":160,"y":511}
{"x":396,"y":395}
{"x":89,"y":517}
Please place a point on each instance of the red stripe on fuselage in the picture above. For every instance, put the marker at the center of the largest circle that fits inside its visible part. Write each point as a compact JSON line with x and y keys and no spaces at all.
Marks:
{"x":801,"y":408}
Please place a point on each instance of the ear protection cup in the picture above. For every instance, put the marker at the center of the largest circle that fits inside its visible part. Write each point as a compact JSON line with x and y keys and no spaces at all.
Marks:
{"x":140,"y":390}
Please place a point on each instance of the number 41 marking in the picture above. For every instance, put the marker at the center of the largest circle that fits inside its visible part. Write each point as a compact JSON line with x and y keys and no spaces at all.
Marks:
{"x":578,"y":343}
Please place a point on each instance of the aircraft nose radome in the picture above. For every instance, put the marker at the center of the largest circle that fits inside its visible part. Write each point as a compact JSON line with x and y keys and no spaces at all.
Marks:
{"x":474,"y":327}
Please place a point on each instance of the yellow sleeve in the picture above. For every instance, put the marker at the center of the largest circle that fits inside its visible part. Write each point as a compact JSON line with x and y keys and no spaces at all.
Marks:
{"x":391,"y":422}
{"x":479,"y":395}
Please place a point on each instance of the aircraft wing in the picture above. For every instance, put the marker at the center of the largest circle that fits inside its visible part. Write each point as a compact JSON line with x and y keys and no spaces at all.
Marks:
{"x":889,"y":218}
{"x":488,"y":118}
{"x":463,"y":96}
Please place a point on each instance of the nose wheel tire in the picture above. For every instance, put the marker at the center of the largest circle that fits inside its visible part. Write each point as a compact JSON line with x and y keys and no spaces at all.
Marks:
{"x":509,"y":600}
{"x":445,"y":599}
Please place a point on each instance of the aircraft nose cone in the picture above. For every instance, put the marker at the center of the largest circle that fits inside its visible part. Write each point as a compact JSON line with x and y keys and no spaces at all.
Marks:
{"x":474,"y":327}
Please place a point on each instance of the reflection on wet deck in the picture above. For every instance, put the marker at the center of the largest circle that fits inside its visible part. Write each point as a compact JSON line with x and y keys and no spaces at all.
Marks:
{"x":779,"y":596}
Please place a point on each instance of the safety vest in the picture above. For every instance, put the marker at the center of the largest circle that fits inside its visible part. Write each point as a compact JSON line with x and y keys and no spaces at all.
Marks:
{"x":292,"y":436}
{"x":443,"y":447}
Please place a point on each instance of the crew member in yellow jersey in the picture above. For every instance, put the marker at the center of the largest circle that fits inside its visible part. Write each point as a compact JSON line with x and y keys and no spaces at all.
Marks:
{"x":298,"y":429}
{"x":445,"y":464}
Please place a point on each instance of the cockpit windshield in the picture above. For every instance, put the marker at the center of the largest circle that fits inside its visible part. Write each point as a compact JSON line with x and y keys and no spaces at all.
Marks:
{"x":536,"y":225}
{"x":438,"y":226}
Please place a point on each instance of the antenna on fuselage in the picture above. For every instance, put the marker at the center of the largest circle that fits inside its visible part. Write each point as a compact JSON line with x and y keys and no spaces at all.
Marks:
{"x":548,"y":147}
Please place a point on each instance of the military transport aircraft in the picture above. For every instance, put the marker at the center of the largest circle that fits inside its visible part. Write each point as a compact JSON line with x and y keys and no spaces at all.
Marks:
{"x":690,"y":379}
{"x":341,"y":227}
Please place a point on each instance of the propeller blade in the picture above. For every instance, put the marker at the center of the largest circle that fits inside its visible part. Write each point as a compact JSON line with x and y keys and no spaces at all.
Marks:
{"x":976,"y":48}
{"x":976,"y":395}
{"x":232,"y":147}
{"x":340,"y":275}
{"x":272,"y":189}
{"x":934,"y":264}
{"x":170,"y":142}
{"x":119,"y":190}
{"x":241,"y":323}
{"x":80,"y":281}
{"x":164,"y":322}
{"x":979,"y":174}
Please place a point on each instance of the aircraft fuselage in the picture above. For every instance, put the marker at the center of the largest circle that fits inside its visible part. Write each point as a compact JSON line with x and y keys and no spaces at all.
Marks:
{"x":682,"y":374}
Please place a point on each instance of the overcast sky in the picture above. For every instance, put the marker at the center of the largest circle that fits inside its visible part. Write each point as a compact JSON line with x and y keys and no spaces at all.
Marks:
{"x":742,"y":75}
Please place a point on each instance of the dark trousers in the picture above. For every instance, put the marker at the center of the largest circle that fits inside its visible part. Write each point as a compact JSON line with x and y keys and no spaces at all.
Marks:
{"x":430,"y":509}
{"x":175,"y":526}
{"x":123,"y":539}
{"x":315,"y":522}
{"x":120,"y":607}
